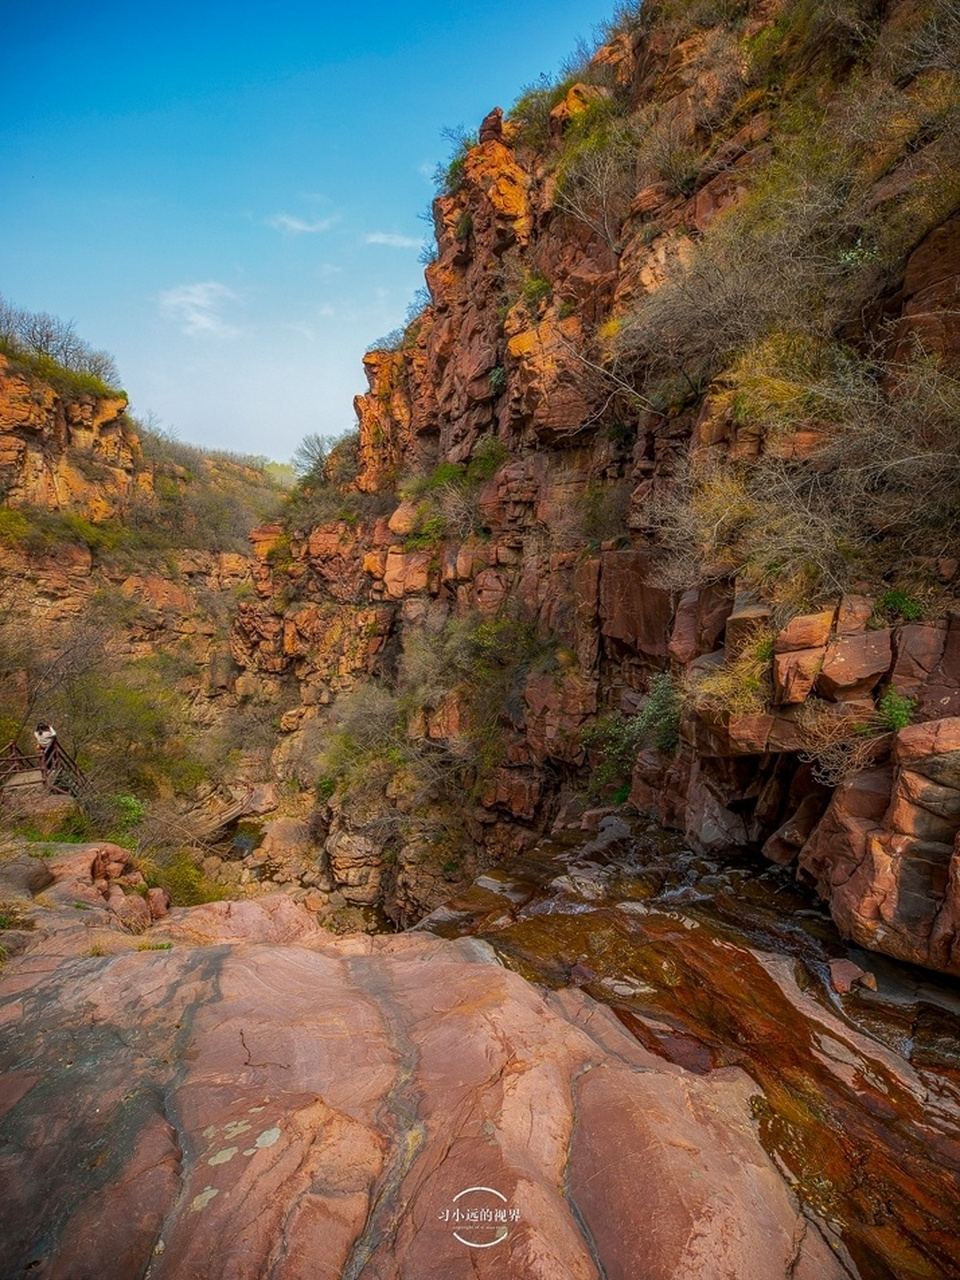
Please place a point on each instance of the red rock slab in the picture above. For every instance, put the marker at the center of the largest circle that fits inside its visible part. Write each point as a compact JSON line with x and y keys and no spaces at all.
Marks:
{"x":843,"y":974}
{"x":922,"y":808}
{"x":935,"y":260}
{"x":795,"y":673}
{"x":807,"y":631}
{"x":853,"y":614}
{"x":276,"y":918}
{"x":647,"y":1215}
{"x":837,"y":845}
{"x":699,"y":621}
{"x":789,"y":838}
{"x":940,"y":696}
{"x":743,"y":624}
{"x":786,"y":733}
{"x":945,"y":934}
{"x":246,"y":1109}
{"x":929,"y":747}
{"x":749,"y":734}
{"x":918,"y":649}
{"x":632,"y":610}
{"x":891,"y":901}
{"x":854,"y":664}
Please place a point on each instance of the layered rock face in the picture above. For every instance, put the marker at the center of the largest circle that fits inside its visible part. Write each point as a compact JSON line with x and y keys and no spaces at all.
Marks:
{"x":106,"y":562}
{"x":260,"y":1099}
{"x":65,"y":450}
{"x":887,"y":851}
{"x":544,"y":470}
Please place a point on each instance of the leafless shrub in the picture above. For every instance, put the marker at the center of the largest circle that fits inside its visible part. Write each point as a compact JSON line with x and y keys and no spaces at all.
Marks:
{"x":794,"y":526}
{"x":596,"y":181}
{"x":665,"y":148}
{"x":838,"y":742}
{"x":932,"y":44}
{"x":777,"y":264}
{"x":459,"y":509}
{"x":40,"y":334}
{"x":717,"y":77}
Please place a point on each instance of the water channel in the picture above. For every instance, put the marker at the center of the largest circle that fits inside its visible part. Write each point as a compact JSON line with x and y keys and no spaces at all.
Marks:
{"x":715,"y":962}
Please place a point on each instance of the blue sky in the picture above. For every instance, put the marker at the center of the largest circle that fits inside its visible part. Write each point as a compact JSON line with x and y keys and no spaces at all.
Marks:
{"x":228,"y":198}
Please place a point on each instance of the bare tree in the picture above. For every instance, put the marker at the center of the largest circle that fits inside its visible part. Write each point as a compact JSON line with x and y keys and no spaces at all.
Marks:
{"x":596,"y":182}
{"x":46,"y":336}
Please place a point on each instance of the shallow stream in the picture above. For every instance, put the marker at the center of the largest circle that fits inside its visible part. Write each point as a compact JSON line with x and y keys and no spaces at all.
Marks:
{"x":718,"y":962}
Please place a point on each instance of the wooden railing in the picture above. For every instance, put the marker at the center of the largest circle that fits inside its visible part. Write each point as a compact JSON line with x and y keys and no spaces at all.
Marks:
{"x":58,"y":770}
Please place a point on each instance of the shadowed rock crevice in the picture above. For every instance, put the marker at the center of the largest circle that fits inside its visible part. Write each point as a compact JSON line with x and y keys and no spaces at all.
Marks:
{"x":399,"y":1116}
{"x":570,"y":1197}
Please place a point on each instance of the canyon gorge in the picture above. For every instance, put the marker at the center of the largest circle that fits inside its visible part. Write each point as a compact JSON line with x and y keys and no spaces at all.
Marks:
{"x":558,"y":791}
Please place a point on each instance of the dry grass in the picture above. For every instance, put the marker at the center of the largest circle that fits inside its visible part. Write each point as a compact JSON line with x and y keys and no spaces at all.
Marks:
{"x":742,"y":686}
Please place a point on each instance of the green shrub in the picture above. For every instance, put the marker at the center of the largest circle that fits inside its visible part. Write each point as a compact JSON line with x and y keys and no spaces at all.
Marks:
{"x":531,"y":111}
{"x":14,"y":527}
{"x":896,"y":604}
{"x":129,"y":811}
{"x":69,"y":382}
{"x":178,"y":872}
{"x":449,"y":177}
{"x":447,"y":498}
{"x":894,"y":711}
{"x":489,"y":455}
{"x":536,"y":290}
{"x":430,"y":529}
{"x":42,"y":531}
{"x":74,"y":827}
{"x":617,"y":738}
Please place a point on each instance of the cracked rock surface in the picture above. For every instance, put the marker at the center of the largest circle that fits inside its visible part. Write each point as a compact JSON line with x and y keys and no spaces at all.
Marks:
{"x":262,"y":1101}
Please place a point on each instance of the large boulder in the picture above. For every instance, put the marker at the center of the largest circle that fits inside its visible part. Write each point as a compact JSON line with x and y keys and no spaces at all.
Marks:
{"x":886,"y":855}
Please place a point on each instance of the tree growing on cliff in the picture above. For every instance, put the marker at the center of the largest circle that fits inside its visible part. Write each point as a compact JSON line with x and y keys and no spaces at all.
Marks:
{"x":42,"y":337}
{"x":595,"y":178}
{"x":326,"y":460}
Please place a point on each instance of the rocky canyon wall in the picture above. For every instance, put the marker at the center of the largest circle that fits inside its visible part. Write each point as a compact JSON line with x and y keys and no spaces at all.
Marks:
{"x":517,"y":455}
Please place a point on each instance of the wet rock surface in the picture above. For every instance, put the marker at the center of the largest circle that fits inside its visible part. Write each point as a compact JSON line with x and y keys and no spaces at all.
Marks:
{"x":259,"y":1099}
{"x":713,"y":963}
{"x":701,"y":1080}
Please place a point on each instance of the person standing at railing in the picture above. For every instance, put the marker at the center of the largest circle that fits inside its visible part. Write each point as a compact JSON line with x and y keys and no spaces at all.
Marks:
{"x":46,"y":736}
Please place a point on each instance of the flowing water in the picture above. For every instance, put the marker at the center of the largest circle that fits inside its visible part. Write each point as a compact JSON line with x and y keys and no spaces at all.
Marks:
{"x":717,"y":962}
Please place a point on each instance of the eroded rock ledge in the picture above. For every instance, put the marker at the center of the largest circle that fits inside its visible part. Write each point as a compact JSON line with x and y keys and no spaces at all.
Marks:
{"x":260,"y":1100}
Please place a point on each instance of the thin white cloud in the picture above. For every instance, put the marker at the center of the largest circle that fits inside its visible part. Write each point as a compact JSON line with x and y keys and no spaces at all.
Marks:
{"x":196,"y":308}
{"x":303,"y":330}
{"x":288,"y":222}
{"x":394,"y":241}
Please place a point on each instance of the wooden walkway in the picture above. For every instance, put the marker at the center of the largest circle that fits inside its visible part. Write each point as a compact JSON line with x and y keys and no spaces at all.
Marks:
{"x":57,"y":772}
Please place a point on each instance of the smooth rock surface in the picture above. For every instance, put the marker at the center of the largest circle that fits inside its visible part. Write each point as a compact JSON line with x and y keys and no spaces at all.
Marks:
{"x":262,"y":1101}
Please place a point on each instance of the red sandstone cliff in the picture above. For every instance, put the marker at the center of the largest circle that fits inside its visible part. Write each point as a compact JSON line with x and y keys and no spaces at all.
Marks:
{"x":519,"y":361}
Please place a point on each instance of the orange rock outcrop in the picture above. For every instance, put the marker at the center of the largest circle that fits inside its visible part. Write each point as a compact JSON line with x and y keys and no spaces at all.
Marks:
{"x":62,"y":450}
